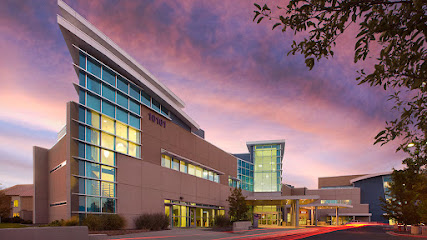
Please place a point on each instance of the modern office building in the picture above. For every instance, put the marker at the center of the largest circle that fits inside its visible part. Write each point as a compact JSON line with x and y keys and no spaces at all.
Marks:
{"x":129,"y":148}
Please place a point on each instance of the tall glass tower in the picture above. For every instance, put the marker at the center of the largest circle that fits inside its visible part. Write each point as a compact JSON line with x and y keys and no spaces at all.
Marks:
{"x":267,"y":158}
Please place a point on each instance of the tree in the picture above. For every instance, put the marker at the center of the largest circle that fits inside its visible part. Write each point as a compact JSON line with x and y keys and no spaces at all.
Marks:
{"x":5,"y":206}
{"x":407,"y":193}
{"x":238,"y":210}
{"x":398,"y":27}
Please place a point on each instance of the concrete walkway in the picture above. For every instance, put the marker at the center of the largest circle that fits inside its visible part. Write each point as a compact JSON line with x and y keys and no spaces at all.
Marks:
{"x":202,"y":233}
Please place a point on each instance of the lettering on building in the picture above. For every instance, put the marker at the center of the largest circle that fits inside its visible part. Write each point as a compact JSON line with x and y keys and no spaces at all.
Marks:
{"x":157,"y":120}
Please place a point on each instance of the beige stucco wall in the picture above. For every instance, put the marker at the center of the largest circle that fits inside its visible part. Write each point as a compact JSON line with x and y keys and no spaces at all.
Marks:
{"x":336,"y":181}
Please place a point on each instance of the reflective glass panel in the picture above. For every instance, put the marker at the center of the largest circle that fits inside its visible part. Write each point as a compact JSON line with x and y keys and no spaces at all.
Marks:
{"x":121,"y":130}
{"x":166,"y":161}
{"x":108,"y":76}
{"x":108,"y":173}
{"x":82,"y":79}
{"x":92,"y":170}
{"x":199,"y":172}
{"x":134,"y":121}
{"x":82,"y":168}
{"x":108,"y":93}
{"x":108,"y":189}
{"x":93,"y":204}
{"x":156,"y":105}
{"x":82,"y":186}
{"x":82,"y":60}
{"x":183,"y":166}
{"x":82,"y":203}
{"x":93,"y":67}
{"x":165,"y":111}
{"x":92,"y":153}
{"x":191,"y":169}
{"x":175,"y":164}
{"x":122,"y":84}
{"x":107,"y":157}
{"x":145,"y":98}
{"x":205,"y":174}
{"x":107,"y":141}
{"x":93,"y":187}
{"x":121,"y":146}
{"x":121,"y":115}
{"x":134,"y":92}
{"x":81,"y":114}
{"x":93,"y":118}
{"x":122,"y":100}
{"x":93,"y":102}
{"x":133,"y":150}
{"x":81,"y":132}
{"x":93,"y":84}
{"x":134,"y":135}
{"x":108,"y":109}
{"x":108,"y":205}
{"x":107,"y":124}
{"x":82,"y":97}
{"x":134,"y":107}
{"x":92,"y":136}
{"x":210,"y":175}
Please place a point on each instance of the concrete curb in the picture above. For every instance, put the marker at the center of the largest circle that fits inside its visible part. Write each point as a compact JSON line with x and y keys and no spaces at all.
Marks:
{"x":406,"y":235}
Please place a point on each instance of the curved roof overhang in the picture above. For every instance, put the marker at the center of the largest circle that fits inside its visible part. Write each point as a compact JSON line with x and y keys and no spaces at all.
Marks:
{"x":369,"y":176}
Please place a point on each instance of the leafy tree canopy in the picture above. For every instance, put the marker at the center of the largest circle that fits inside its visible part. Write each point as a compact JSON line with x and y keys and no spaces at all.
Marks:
{"x":238,"y":210}
{"x":398,"y":27}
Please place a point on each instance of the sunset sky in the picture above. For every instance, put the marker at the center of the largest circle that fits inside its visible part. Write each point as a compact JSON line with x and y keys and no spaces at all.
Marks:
{"x":234,"y":76}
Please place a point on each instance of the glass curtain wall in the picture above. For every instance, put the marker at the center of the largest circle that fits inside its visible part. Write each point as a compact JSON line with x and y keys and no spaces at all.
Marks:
{"x":186,"y":214}
{"x":109,"y":123}
{"x":267,"y":168}
{"x":245,"y":174}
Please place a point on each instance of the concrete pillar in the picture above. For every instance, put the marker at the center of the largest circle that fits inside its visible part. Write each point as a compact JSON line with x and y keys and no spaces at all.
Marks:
{"x":315,"y":216}
{"x":285,"y":214}
{"x":292,"y":211}
{"x":336,"y":217}
{"x":312,"y":216}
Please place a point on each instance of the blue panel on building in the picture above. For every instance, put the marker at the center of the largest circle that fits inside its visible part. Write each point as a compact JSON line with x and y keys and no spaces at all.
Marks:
{"x":371,"y":190}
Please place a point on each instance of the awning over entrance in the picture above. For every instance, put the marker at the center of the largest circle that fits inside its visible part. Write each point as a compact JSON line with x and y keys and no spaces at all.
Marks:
{"x":280,"y":200}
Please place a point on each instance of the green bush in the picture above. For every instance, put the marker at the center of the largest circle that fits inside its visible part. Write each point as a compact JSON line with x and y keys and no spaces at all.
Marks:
{"x":153,"y":222}
{"x":104,"y":222}
{"x":222,"y":221}
{"x":73,"y":221}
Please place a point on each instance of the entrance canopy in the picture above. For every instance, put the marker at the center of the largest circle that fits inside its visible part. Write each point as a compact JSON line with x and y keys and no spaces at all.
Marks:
{"x":280,"y":200}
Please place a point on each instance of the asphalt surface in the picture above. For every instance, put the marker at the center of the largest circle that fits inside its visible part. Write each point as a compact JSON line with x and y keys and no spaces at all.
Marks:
{"x":362,"y":233}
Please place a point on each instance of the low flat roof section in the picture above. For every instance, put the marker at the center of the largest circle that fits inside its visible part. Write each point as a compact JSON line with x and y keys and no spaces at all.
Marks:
{"x":328,"y":205}
{"x":293,"y":197}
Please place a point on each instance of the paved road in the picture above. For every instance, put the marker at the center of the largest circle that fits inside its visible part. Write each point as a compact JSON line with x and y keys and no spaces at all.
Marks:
{"x":341,"y":232}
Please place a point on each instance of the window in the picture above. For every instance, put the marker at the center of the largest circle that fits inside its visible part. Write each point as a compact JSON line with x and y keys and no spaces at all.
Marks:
{"x":92,"y":153}
{"x":122,"y":115}
{"x":121,"y":146}
{"x":107,"y":157}
{"x":165,"y":111}
{"x":108,"y":76}
{"x":108,"y":173}
{"x":134,"y":135}
{"x":108,"y":205}
{"x":92,"y":118}
{"x":191,"y":169}
{"x":93,"y":84}
{"x":81,"y":132}
{"x":199,"y":172}
{"x":107,"y":141}
{"x":15,"y":214}
{"x":183,"y":166}
{"x":92,"y":136}
{"x":15,"y":203}
{"x":175,"y":164}
{"x":121,"y":130}
{"x":205,"y":174}
{"x":134,"y":92}
{"x":108,"y":93}
{"x":133,"y":149}
{"x":134,"y":121}
{"x":210,"y":175}
{"x":145,"y":99}
{"x":122,"y":84}
{"x":92,"y":170}
{"x":108,"y":109}
{"x":93,"y":187}
{"x":108,"y":189}
{"x":82,"y":79}
{"x":82,"y":60}
{"x":82,"y":168}
{"x":93,"y":67}
{"x":93,"y":204}
{"x":156,"y":105}
{"x":93,"y":102}
{"x":122,"y":100}
{"x":134,"y":107}
{"x":82,"y":203}
{"x":166,"y":161}
{"x":107,"y":124}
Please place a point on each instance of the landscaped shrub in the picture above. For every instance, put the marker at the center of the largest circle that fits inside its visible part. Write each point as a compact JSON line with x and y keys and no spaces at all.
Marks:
{"x":73,"y":221}
{"x":153,"y":222}
{"x":16,"y":220}
{"x":222,"y":221}
{"x":104,"y":222}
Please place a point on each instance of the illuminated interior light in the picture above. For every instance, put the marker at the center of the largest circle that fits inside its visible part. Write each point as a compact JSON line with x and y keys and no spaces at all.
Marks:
{"x":411,"y":144}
